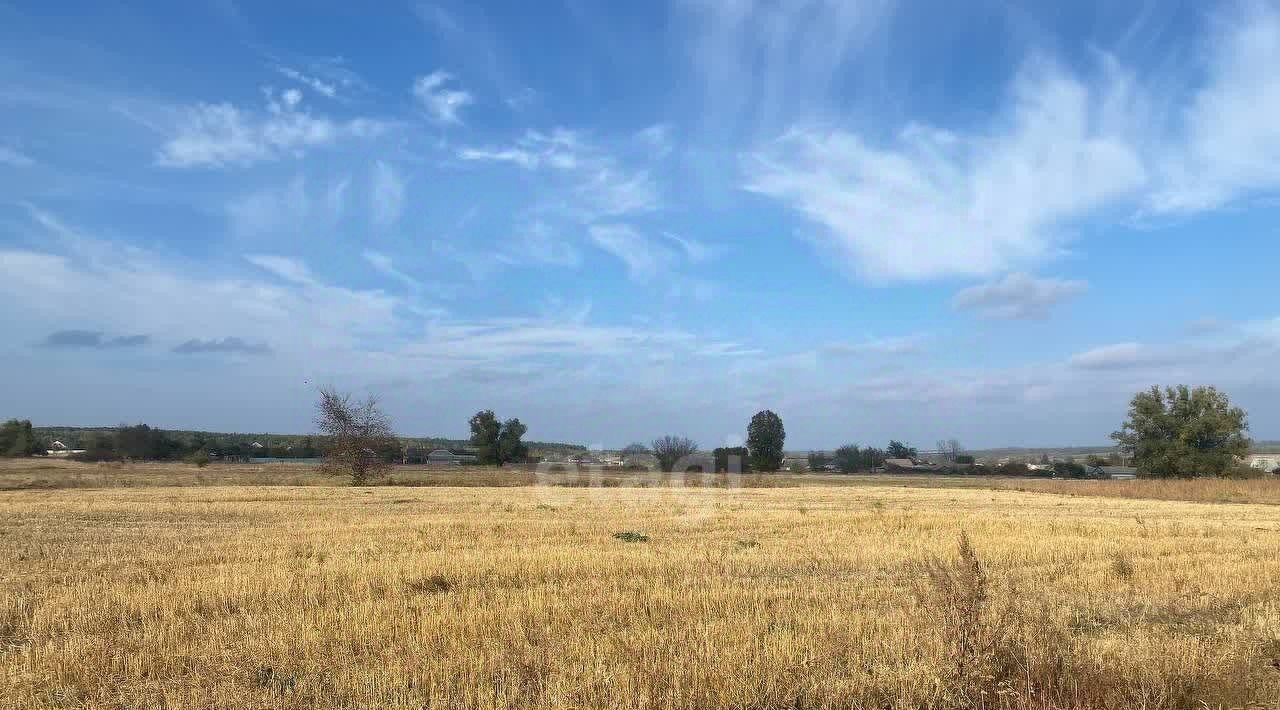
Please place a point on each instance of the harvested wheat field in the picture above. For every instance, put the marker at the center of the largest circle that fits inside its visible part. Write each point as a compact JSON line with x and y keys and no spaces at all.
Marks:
{"x":518,"y":597}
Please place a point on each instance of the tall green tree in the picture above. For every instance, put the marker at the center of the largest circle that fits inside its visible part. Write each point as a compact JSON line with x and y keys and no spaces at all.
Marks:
{"x":510,"y":448}
{"x":17,"y":438}
{"x":485,"y":429}
{"x":497,"y":442}
{"x":899,"y":450}
{"x":765,"y":439}
{"x":848,"y":458}
{"x":1183,"y":433}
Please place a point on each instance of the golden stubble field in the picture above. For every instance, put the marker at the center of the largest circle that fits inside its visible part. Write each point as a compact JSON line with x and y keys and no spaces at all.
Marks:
{"x":516,"y":597}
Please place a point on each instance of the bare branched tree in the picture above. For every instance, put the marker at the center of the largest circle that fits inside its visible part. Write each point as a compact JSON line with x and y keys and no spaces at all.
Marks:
{"x":673,"y":450}
{"x":949,"y":450}
{"x":357,"y":433}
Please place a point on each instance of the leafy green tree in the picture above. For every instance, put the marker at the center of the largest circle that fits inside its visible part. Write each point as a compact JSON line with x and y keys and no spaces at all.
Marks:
{"x":899,"y":450}
{"x":1183,"y":432}
{"x":848,"y":458}
{"x":496,"y":442}
{"x":1070,"y":469}
{"x":765,"y":439}
{"x":143,"y":443}
{"x":510,"y":448}
{"x":485,"y":429}
{"x":18,"y":439}
{"x":98,"y":446}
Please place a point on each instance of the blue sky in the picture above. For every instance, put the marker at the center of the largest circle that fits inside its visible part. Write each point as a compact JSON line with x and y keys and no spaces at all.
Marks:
{"x":621,"y":220}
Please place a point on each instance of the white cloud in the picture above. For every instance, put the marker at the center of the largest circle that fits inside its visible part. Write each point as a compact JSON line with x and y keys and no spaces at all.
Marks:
{"x":895,"y":345}
{"x":1064,"y":148}
{"x":643,"y":257}
{"x":1017,"y":296}
{"x":442,"y":103}
{"x":936,"y":203}
{"x":289,"y":269}
{"x":1123,"y":356}
{"x":612,"y":192}
{"x":585,"y":182}
{"x":387,"y":194}
{"x":696,"y":251}
{"x":386,"y":265}
{"x":15,"y":158}
{"x":326,"y":89}
{"x":657,"y":139}
{"x":745,"y":57}
{"x":539,"y":244}
{"x":560,"y":149}
{"x":293,"y":209}
{"x":221,"y":134}
{"x":1230,"y":141}
{"x":314,"y":328}
{"x":517,"y":156}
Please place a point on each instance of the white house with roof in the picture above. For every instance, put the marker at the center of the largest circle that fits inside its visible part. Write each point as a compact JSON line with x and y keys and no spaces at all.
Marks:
{"x":1263,"y":461}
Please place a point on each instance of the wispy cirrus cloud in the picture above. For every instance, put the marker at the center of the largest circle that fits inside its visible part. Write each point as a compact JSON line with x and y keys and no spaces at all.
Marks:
{"x":744,"y":57}
{"x":291,"y":208}
{"x":442,"y":104}
{"x":1226,"y":144}
{"x":643,"y":257}
{"x":586,"y":181}
{"x":1017,"y":296}
{"x":560,"y":149}
{"x":386,"y":194}
{"x":316,"y":84}
{"x":1065,"y":147}
{"x":937,"y":203}
{"x":892,"y":345}
{"x":222,"y":134}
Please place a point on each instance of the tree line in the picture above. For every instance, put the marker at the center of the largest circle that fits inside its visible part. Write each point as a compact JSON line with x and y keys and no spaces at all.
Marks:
{"x":1171,"y":432}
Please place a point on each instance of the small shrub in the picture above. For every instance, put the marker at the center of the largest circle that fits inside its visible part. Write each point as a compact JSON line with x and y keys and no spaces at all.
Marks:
{"x":631,"y":536}
{"x":435,"y":584}
{"x":1122,"y":566}
{"x":199,"y":458}
{"x":267,"y":677}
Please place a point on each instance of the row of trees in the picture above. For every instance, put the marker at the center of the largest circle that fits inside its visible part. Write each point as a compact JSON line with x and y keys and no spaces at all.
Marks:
{"x":766,"y":437}
{"x":358,"y":431}
{"x":1174,"y":432}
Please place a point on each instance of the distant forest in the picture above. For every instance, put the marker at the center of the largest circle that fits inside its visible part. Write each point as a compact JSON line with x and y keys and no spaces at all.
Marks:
{"x":283,"y":446}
